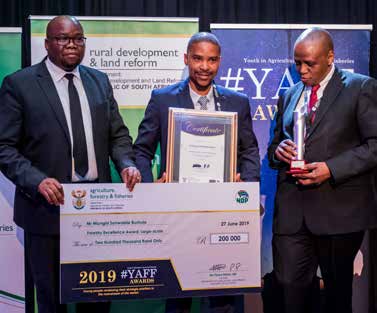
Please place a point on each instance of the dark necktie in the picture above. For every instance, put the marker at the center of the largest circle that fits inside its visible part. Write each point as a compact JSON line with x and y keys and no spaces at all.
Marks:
{"x":203,"y":100}
{"x":80,"y":153}
{"x":312,"y":101}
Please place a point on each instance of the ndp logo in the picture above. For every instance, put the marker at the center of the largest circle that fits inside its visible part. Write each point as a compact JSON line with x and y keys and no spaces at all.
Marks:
{"x":242,"y":196}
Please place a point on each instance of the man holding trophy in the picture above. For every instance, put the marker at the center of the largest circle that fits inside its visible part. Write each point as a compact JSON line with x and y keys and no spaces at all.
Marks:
{"x":325,"y":147}
{"x":200,"y":94}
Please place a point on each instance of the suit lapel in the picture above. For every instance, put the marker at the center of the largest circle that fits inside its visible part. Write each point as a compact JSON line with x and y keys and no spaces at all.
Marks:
{"x":94,"y":97}
{"x":91,"y":92}
{"x":332,"y":90}
{"x":184,"y":98}
{"x":221,"y":101}
{"x":48,"y":87}
{"x":185,"y":101}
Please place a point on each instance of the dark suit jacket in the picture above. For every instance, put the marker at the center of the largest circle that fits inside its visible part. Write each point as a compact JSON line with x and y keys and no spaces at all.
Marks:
{"x":35,"y":142}
{"x":154,"y":128}
{"x":344,"y":135}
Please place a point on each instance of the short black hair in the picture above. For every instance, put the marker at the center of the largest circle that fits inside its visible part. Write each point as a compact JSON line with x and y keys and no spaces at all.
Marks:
{"x":203,"y":36}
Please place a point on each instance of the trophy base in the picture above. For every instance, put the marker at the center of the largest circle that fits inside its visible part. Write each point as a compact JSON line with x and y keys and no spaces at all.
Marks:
{"x":297,"y":167}
{"x":294,"y":171}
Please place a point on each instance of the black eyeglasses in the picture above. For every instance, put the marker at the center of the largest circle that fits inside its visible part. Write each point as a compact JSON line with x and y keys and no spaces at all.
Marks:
{"x":63,"y":41}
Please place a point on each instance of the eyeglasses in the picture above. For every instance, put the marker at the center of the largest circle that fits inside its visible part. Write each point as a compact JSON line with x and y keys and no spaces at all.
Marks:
{"x":63,"y":41}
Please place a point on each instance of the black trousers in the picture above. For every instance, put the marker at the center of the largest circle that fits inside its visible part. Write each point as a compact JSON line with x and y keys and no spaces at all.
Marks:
{"x":296,"y":258}
{"x":373,"y":271}
{"x":43,"y":256}
{"x":218,"y":304}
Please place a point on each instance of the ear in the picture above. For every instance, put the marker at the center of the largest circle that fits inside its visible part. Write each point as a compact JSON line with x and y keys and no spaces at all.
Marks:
{"x":46,"y":44}
{"x":330,"y":57}
{"x":185,"y":58}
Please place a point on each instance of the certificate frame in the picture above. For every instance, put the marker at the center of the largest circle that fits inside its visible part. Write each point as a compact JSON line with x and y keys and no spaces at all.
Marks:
{"x":226,"y":121}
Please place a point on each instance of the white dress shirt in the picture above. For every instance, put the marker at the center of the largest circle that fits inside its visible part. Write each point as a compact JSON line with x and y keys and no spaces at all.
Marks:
{"x":211,"y":99}
{"x":61,"y":84}
{"x":305,"y":96}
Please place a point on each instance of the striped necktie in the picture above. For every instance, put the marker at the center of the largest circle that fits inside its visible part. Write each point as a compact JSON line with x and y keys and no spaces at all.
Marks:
{"x":203,"y":101}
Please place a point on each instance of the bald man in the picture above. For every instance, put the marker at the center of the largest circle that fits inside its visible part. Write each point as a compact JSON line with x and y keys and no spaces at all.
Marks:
{"x":320,"y":216}
{"x":59,"y":124}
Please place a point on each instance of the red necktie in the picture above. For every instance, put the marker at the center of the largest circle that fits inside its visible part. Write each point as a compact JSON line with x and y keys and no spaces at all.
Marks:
{"x":312,"y":101}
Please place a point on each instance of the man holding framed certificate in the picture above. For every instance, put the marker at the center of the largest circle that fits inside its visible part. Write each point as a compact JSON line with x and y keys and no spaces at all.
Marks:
{"x":198,"y":93}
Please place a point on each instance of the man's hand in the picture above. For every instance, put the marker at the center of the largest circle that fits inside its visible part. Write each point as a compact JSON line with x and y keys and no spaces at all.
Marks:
{"x":286,"y":151}
{"x":238,"y":178}
{"x":52,"y":191}
{"x":162,"y":179}
{"x":130,"y":177}
{"x":318,"y":173}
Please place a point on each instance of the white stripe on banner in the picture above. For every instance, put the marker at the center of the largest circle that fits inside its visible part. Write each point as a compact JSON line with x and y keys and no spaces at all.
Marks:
{"x":292,"y":26}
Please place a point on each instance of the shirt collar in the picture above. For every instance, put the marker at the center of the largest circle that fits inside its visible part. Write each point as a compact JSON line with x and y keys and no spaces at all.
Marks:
{"x":57,"y":73}
{"x":195,"y":97}
{"x":324,"y":82}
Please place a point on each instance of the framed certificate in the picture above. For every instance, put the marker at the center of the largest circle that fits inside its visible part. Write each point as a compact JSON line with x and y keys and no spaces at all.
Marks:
{"x":202,"y":146}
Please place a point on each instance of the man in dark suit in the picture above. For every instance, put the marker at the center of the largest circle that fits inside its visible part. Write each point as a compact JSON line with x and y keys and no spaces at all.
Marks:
{"x":59,"y":124}
{"x":203,"y":60}
{"x":320,"y":216}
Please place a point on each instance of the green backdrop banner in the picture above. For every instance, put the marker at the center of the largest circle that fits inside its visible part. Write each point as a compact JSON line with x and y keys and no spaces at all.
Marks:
{"x":12,"y":293}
